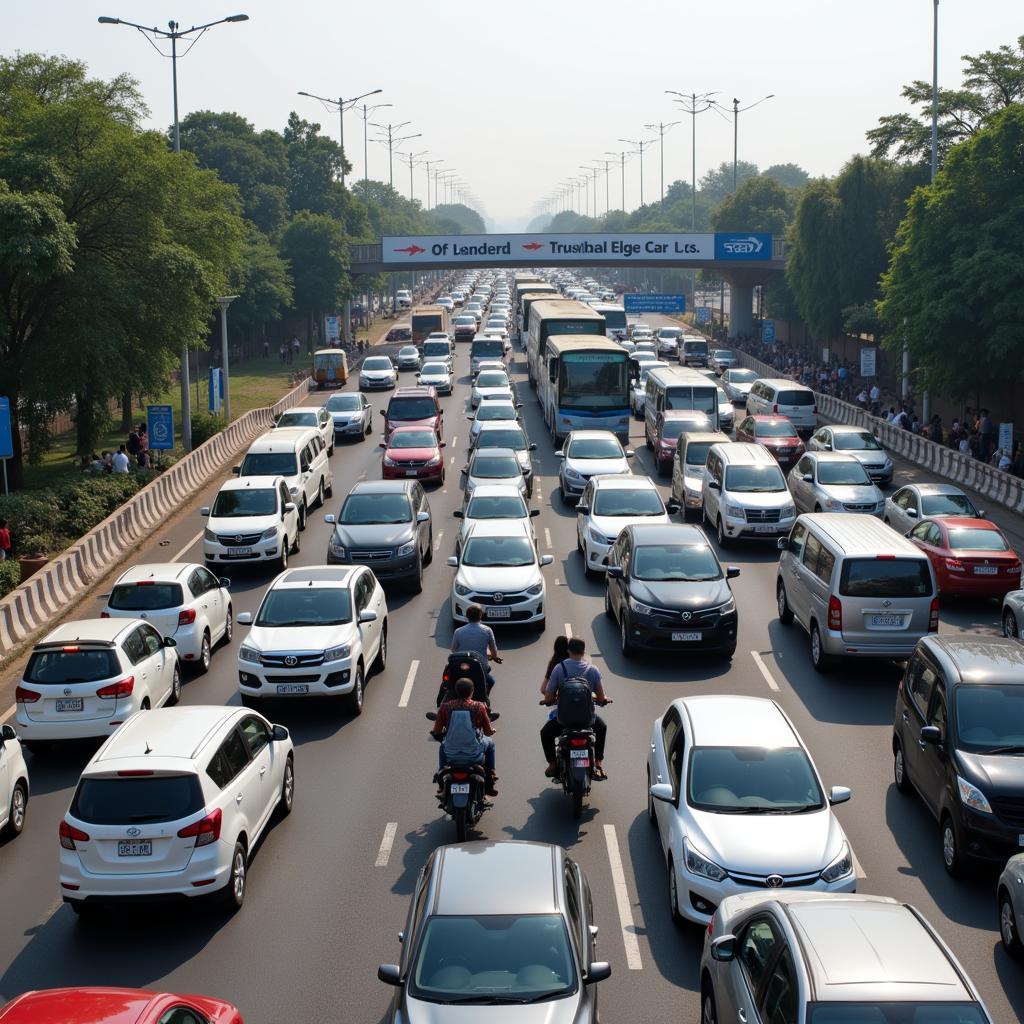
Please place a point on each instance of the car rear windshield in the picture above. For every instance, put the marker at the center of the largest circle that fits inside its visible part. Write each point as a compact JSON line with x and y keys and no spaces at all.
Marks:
{"x":947,"y":505}
{"x":885,"y":577}
{"x":147,"y":799}
{"x":413,"y":439}
{"x":752,"y":780}
{"x":638,"y":501}
{"x":990,"y":718}
{"x":495,"y":411}
{"x":973,"y":538}
{"x":411,"y":408}
{"x":72,"y":665}
{"x":495,"y":467}
{"x":371,"y":509}
{"x":512,"y":438}
{"x":684,"y":563}
{"x":497,"y":506}
{"x":269,"y":464}
{"x":488,"y":349}
{"x":297,"y":419}
{"x":595,"y":448}
{"x":343,"y":403}
{"x":245,"y":501}
{"x":754,"y":479}
{"x":498,"y":552}
{"x":305,"y":606}
{"x":855,"y":441}
{"x":145,"y":597}
{"x":774,"y":428}
{"x":903,"y":1012}
{"x":795,"y":398}
{"x":849,"y":474}
{"x":435,"y":348}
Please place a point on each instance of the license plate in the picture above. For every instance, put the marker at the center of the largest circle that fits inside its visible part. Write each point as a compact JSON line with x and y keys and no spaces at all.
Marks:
{"x":239,"y":551}
{"x":411,"y":472}
{"x":765,"y":529}
{"x":285,"y":688}
{"x":579,"y":755}
{"x":70,"y":704}
{"x":886,"y":621}
{"x":135,"y":848}
{"x":687,"y":636}
{"x":985,"y":570}
{"x":460,"y":787}
{"x":499,"y":613}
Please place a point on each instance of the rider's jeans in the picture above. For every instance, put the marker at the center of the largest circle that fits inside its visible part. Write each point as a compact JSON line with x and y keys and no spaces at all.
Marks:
{"x":488,"y":745}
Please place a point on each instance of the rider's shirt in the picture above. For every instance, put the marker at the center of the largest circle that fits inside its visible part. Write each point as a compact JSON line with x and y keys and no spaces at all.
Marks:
{"x":474,"y":636}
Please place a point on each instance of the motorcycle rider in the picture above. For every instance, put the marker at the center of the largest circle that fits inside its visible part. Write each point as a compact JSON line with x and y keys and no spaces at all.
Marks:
{"x":476,"y":637}
{"x":481,"y":720}
{"x":575,"y":666}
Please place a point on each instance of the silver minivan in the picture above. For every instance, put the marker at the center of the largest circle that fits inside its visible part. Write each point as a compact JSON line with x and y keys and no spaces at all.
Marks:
{"x":856,"y":586}
{"x":776,"y":396}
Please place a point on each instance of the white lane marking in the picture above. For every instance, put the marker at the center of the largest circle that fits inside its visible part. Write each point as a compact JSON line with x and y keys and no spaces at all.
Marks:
{"x":384,"y":853}
{"x":547,"y":538}
{"x":433,"y":628}
{"x":629,"y":939}
{"x":558,"y":582}
{"x":455,"y":440}
{"x":178,"y":554}
{"x":858,"y":870}
{"x":568,"y":629}
{"x":403,"y":701}
{"x":452,"y":460}
{"x":9,"y":713}
{"x":437,"y":540}
{"x":768,"y":677}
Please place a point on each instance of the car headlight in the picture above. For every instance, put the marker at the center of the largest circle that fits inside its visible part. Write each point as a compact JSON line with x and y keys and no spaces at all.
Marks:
{"x":270,"y":534}
{"x":389,"y":462}
{"x":210,"y":536}
{"x":461,"y":590}
{"x":735,"y":512}
{"x":293,"y":491}
{"x":406,"y":549}
{"x":973,"y":797}
{"x":572,"y":474}
{"x":248,"y":654}
{"x":833,"y":503}
{"x":336,"y":548}
{"x":597,"y":538}
{"x":639,"y":608}
{"x":337,"y":653}
{"x":788,"y":512}
{"x":434,"y":460}
{"x":537,"y":588}
{"x":728,"y":608}
{"x":698,"y":864}
{"x":840,"y":867}
{"x":880,"y":505}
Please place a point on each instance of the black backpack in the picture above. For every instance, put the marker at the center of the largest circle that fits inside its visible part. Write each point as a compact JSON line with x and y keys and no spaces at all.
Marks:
{"x":575,"y":702}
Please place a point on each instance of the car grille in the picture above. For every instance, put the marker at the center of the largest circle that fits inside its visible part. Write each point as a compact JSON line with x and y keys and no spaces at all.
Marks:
{"x":505,"y":598}
{"x":670,"y":618}
{"x":786,"y":453}
{"x":1010,"y":809}
{"x":238,"y":539}
{"x":763,"y":515}
{"x":370,"y":556}
{"x":277,"y":660}
{"x":860,"y":506}
{"x":761,"y":881}
{"x":293,"y":679}
{"x":411,"y":463}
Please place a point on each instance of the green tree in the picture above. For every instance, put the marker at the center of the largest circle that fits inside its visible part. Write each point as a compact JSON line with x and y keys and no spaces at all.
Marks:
{"x":314,"y":168}
{"x":790,"y":175}
{"x":716,"y":184}
{"x":759,"y":204}
{"x":810,"y":271}
{"x":315,"y":248}
{"x":469,"y":221}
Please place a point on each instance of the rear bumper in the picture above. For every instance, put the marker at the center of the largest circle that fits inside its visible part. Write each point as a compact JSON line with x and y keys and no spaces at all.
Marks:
{"x":415,"y":473}
{"x":80,"y":729}
{"x":887,"y":645}
{"x":210,"y":865}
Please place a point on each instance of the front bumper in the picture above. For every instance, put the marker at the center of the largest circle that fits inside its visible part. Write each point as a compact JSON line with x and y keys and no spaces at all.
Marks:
{"x":573,"y":488}
{"x":654,"y":633}
{"x":984,"y":837}
{"x":399,"y":472}
{"x":759,"y":531}
{"x":376,"y":385}
{"x":393,"y":568}
{"x":330,"y":679}
{"x":521,"y":609}
{"x":261,"y":551}
{"x":347,"y":429}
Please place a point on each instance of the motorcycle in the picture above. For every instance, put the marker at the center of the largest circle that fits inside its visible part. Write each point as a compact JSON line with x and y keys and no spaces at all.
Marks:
{"x":463,"y":790}
{"x":470,"y":665}
{"x":575,"y":758}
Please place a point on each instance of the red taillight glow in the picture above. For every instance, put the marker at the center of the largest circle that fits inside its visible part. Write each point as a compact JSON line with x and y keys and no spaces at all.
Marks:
{"x":186,"y":617}
{"x":69,"y":835}
{"x":835,"y":614}
{"x":122,"y":688}
{"x":205,"y":830}
{"x":578,"y":742}
{"x":460,"y":776}
{"x":104,"y":615}
{"x":884,"y":558}
{"x":26,"y":696}
{"x":70,"y":650}
{"x":134,"y":773}
{"x":933,"y":616}
{"x":775,"y":408}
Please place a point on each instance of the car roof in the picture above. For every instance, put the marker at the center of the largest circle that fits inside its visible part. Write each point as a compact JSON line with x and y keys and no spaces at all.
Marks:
{"x":424,"y":391}
{"x":609,"y":482}
{"x":716,"y":436}
{"x":156,"y":571}
{"x":414,"y":428}
{"x":731,"y":720}
{"x":321,"y":575}
{"x":847,"y":428}
{"x":500,"y":528}
{"x":663,"y":533}
{"x":103,"y":631}
{"x":783,"y":384}
{"x":282,"y":439}
{"x":488,"y":425}
{"x":239,"y":483}
{"x":928,"y":489}
{"x":746,"y":452}
{"x":487,"y":453}
{"x":496,"y":491}
{"x":981,"y":659}
{"x":862,"y":536}
{"x":963,"y":522}
{"x":762,"y":418}
{"x":831,"y":457}
{"x":583,"y":435}
{"x":465,"y":877}
{"x":303,"y":408}
{"x":83,"y":1005}
{"x":382,"y":487}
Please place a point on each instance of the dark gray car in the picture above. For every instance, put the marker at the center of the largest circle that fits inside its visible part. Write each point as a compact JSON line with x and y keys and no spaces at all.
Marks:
{"x":386,"y":525}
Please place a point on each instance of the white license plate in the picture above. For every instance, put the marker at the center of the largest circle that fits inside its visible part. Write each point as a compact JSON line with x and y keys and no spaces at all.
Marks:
{"x":687,"y":636}
{"x":579,"y":755}
{"x":499,"y":613}
{"x":765,"y":529}
{"x":70,"y":704}
{"x":411,"y":472}
{"x":239,"y":551}
{"x":135,"y":848}
{"x":286,"y":688}
{"x":460,"y":787}
{"x":886,"y":621}
{"x":985,"y":570}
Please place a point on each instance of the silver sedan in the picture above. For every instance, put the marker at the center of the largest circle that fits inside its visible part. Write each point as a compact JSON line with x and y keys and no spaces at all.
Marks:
{"x":737,"y":382}
{"x":858,"y":442}
{"x":831,"y":482}
{"x":909,"y":505}
{"x":1013,"y":614}
{"x":1010,"y":894}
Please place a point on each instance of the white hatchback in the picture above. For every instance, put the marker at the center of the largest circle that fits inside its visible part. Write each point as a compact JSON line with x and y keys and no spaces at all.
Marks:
{"x":491,"y":384}
{"x":315,"y":416}
{"x":494,"y":410}
{"x":182,"y":600}
{"x":13,"y":784}
{"x":173,"y":806}
{"x":494,"y":502}
{"x":253,"y":519}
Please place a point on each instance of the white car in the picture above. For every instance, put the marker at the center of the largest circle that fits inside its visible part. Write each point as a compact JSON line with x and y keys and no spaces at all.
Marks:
{"x":587,"y":453}
{"x":13,"y":784}
{"x":858,"y":442}
{"x":499,"y":569}
{"x":494,"y":410}
{"x":319,"y":632}
{"x":173,"y":806}
{"x":726,"y":412}
{"x":436,"y":375}
{"x":182,"y":600}
{"x":408,"y":358}
{"x":351,"y":414}
{"x":667,"y":340}
{"x":377,"y":374}
{"x":723,"y":359}
{"x":737,"y":382}
{"x":739,"y":805}
{"x":642,"y":332}
{"x":84,"y":678}
{"x":252,"y":519}
{"x":494,"y":502}
{"x":491,"y":384}
{"x":315,"y":416}
{"x":607,"y":506}
{"x":638,"y":392}
{"x":493,"y":466}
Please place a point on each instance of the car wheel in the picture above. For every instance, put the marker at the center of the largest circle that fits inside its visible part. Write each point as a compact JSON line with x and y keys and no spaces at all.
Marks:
{"x":625,"y":645}
{"x":297,"y":545}
{"x":416,"y":586}
{"x":562,"y":494}
{"x":899,"y":768}
{"x":328,"y":491}
{"x":608,"y":604}
{"x":951,"y":856}
{"x":723,"y":537}
{"x":785,"y":612}
{"x":234,"y":891}
{"x":253,"y":703}
{"x":1008,"y":926}
{"x":302,"y":514}
{"x":202,"y":665}
{"x":16,"y":812}
{"x":381,"y":661}
{"x":819,"y":659}
{"x":175,"y":694}
{"x":287,"y":798}
{"x":817,"y":508}
{"x":429,"y":556}
{"x":354,"y":701}
{"x":652,"y":816}
{"x":591,"y":574}
{"x":673,"y":894}
{"x":320,"y":494}
{"x":82,"y":909}
{"x":1010,"y":628}
{"x":229,"y":627}
{"x":282,"y":562}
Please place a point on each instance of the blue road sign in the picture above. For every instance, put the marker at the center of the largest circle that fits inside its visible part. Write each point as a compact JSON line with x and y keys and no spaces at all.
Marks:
{"x":6,"y":440}
{"x":703,"y":314}
{"x":735,"y":245}
{"x":215,"y":389}
{"x":648,"y":302}
{"x":768,"y":332}
{"x":160,"y":427}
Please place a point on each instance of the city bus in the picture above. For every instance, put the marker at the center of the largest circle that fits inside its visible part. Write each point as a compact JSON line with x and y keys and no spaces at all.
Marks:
{"x":552,"y":316}
{"x":614,"y":319}
{"x":584,"y":386}
{"x":522,"y":306}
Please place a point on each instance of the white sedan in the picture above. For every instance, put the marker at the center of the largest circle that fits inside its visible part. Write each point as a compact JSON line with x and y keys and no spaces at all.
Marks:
{"x":737,"y":382}
{"x":13,"y":784}
{"x":436,"y":375}
{"x":588,"y":453}
{"x":491,"y":502}
{"x":491,"y":385}
{"x":492,"y":411}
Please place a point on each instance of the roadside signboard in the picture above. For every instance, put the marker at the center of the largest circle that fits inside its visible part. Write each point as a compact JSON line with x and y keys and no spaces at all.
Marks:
{"x":703,"y":314}
{"x":648,"y":302}
{"x":160,"y":427}
{"x":216,"y":389}
{"x":1006,"y":437}
{"x":331,"y":331}
{"x":768,"y":332}
{"x":6,"y":437}
{"x":867,"y":362}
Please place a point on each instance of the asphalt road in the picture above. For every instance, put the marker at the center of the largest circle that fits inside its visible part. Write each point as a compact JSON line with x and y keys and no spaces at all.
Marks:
{"x":329,"y":887}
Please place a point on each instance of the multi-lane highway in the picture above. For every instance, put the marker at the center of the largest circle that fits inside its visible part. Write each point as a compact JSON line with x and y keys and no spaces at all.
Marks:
{"x":329,"y":887}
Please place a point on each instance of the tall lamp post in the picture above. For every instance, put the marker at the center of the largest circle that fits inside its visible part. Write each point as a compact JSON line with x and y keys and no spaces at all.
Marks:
{"x":391,"y":142}
{"x":428,"y":164}
{"x":413,"y":158}
{"x":640,"y":149}
{"x":661,"y":129}
{"x":736,"y":111}
{"x":224,"y":301}
{"x":174,"y":32}
{"x":622,"y":165}
{"x":367,"y":111}
{"x":342,"y":105}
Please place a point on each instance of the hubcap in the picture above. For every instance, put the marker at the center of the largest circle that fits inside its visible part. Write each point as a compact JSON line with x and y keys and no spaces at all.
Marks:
{"x":18,"y":810}
{"x":383,"y":650}
{"x":815,"y":647}
{"x":1009,"y":625}
{"x":1006,"y":922}
{"x":624,"y":636}
{"x":239,"y":875}
{"x":898,"y":767}
{"x":176,"y":683}
{"x":781,"y":596}
{"x":359,"y":689}
{"x":229,"y":626}
{"x":289,"y":785}
{"x":709,"y":1013}
{"x":948,"y":845}
{"x":205,"y":655}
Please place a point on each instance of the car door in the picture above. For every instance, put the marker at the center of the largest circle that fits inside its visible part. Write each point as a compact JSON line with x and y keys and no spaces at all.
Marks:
{"x":157,"y":665}
{"x":912,"y":711}
{"x":257,"y":740}
{"x":822,"y":440}
{"x":799,"y":487}
{"x":583,"y":521}
{"x":618,"y":589}
{"x":903,"y":515}
{"x":779,"y":999}
{"x":815,"y":591}
{"x":289,"y":520}
{"x":713,"y":495}
{"x":927,"y":537}
{"x":758,"y":944}
{"x":369,"y":632}
{"x":232,"y":769}
{"x":933,"y":756}
{"x":201,"y":604}
{"x":425,"y":529}
{"x":670,"y":824}
{"x":216,"y":603}
{"x":5,"y":781}
{"x":794,"y":573}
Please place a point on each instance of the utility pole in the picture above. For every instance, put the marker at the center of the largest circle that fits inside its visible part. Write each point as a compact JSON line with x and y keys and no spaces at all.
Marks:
{"x":640,"y":148}
{"x":342,"y":105}
{"x":662,"y":128}
{"x":622,"y":164}
{"x":366,"y":155}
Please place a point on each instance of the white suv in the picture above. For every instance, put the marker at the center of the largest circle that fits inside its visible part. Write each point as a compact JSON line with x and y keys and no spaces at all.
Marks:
{"x":88,"y":676}
{"x":318,"y":632}
{"x":172,"y":805}
{"x":253,"y":519}
{"x":182,"y":600}
{"x":13,"y":784}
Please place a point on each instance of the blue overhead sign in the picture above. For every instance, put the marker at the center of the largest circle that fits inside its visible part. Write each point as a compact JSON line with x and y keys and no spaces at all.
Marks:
{"x":6,"y":440}
{"x":160,"y":427}
{"x":768,"y":331}
{"x":703,"y":314}
{"x":644,"y":302}
{"x":737,"y":245}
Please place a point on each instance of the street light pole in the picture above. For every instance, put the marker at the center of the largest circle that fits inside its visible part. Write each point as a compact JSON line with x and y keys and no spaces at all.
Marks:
{"x":662,"y":128}
{"x":736,"y":111}
{"x":412,"y":157}
{"x":176,"y":33}
{"x":224,"y":301}
{"x":342,"y":105}
{"x":366,"y":116}
{"x":935,"y":88}
{"x":640,"y":146}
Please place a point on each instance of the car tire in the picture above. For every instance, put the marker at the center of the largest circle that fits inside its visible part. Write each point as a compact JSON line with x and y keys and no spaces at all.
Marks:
{"x":673,"y":894}
{"x":234,"y":891}
{"x":952,"y":858}
{"x":229,"y":627}
{"x":723,"y":537}
{"x":625,"y":645}
{"x":354,"y":700}
{"x":297,"y":546}
{"x":1011,"y":629}
{"x":202,"y":663}
{"x":416,"y":585}
{"x":899,"y":769}
{"x":821,"y":661}
{"x":381,"y":661}
{"x":1008,"y":926}
{"x":319,"y":503}
{"x":328,"y":491}
{"x":708,"y":1009}
{"x":82,"y":910}
{"x":429,"y":556}
{"x":652,"y":816}
{"x":282,"y":561}
{"x":302,"y":514}
{"x":782,"y":604}
{"x":251,"y":702}
{"x":175,"y":695}
{"x":729,"y":653}
{"x":287,"y":797}
{"x":17,"y":811}
{"x":608,"y":604}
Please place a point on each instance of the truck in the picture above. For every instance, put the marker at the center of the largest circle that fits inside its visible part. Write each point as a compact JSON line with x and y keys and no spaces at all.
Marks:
{"x":428,"y":320}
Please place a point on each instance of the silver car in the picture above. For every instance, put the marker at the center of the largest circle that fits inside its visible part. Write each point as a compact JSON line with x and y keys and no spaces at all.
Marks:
{"x":909,"y":505}
{"x":833,"y":482}
{"x":493,"y":466}
{"x":1010,"y":897}
{"x":436,"y":375}
{"x":726,"y":412}
{"x":352,"y":415}
{"x":588,"y":453}
{"x":723,"y":359}
{"x":408,"y":358}
{"x":737,"y":382}
{"x":858,"y":442}
{"x":817,"y":957}
{"x":1013,"y":614}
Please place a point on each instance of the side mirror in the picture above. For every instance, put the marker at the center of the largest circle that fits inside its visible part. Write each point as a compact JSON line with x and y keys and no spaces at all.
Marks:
{"x":8,"y":733}
{"x":630,"y":453}
{"x":559,"y":455}
{"x":662,"y":791}
{"x":714,"y":485}
{"x":839,"y":794}
{"x":826,"y":447}
{"x":279,"y":733}
{"x":615,"y":572}
{"x":519,"y":405}
{"x":243,"y":619}
{"x":808,"y":478}
{"x":329,"y":518}
{"x":236,"y":470}
{"x":911,"y":512}
{"x":534,"y":512}
{"x":672,"y":506}
{"x":532,"y":447}
{"x":422,"y":517}
{"x":470,"y":418}
{"x":205,"y":510}
{"x":367,"y":616}
{"x":443,"y":444}
{"x":169,"y":641}
{"x":382,"y":445}
{"x":453,"y":561}
{"x":390,"y":974}
{"x":383,"y":412}
{"x":932,"y":735}
{"x":582,"y":510}
{"x":225,"y":583}
{"x":723,"y":949}
{"x":599,"y":970}
{"x":732,"y":572}
{"x":782,"y":543}
{"x":981,"y":513}
{"x":546,"y":559}
{"x":459,"y":514}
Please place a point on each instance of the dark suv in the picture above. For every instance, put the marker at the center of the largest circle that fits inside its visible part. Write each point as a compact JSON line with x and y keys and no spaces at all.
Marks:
{"x":958,"y":739}
{"x":413,"y":407}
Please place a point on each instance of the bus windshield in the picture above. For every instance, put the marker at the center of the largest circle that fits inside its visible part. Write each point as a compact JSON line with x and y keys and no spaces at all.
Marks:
{"x":593,"y":381}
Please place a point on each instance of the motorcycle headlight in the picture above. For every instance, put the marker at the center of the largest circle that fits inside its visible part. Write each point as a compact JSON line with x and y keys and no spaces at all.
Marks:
{"x":840,"y":867}
{"x":248,"y":654}
{"x":973,"y":797}
{"x":337,"y":653}
{"x":336,"y":548}
{"x":270,"y":534}
{"x":461,"y":590}
{"x":406,"y":549}
{"x":639,"y":608}
{"x":698,"y":864}
{"x":537,"y":588}
{"x":210,"y":536}
{"x":788,"y":512}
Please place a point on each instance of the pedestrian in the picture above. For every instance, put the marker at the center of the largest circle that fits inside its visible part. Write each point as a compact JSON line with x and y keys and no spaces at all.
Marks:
{"x":108,"y":466}
{"x":120,"y":461}
{"x":964,"y":445}
{"x":133,"y":446}
{"x":5,"y":541}
{"x":1004,"y":462}
{"x":875,"y":397}
{"x":281,"y":352}
{"x":143,"y":456}
{"x":985,"y":435}
{"x":935,"y":429}
{"x":95,"y":464}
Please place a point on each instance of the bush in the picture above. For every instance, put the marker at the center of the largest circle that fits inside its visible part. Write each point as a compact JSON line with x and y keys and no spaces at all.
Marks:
{"x":204,"y":426}
{"x":10,"y":576}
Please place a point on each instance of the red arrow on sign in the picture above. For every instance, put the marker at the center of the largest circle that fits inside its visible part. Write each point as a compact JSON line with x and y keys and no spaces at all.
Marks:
{"x":412,"y":250}
{"x":533,"y":246}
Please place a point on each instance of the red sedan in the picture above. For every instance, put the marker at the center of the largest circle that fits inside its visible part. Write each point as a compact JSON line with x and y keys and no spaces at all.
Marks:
{"x":413,"y":452}
{"x":776,"y":433}
{"x":115,"y":1006}
{"x":971,"y":557}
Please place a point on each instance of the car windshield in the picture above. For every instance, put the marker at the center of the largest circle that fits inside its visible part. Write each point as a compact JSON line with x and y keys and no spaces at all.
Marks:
{"x":990,"y":718}
{"x":670,"y":332}
{"x":671,"y":429}
{"x":774,"y":428}
{"x":947,"y":505}
{"x":842,"y":473}
{"x":492,"y":379}
{"x":632,"y":501}
{"x":296,"y":419}
{"x":723,"y":353}
{"x":645,"y":369}
{"x":973,"y":538}
{"x":495,"y":467}
{"x":269,"y":464}
{"x":465,"y":321}
{"x":742,"y":376}
{"x":498,"y":552}
{"x":434,"y":370}
{"x":594,"y":448}
{"x":413,"y":439}
{"x":684,"y":563}
{"x":72,"y":665}
{"x":146,"y":596}
{"x":343,"y":403}
{"x":695,"y":346}
{"x":493,"y":959}
{"x":305,"y":606}
{"x":885,"y":577}
{"x":903,"y":1012}
{"x":755,"y":780}
{"x":754,"y":479}
{"x":495,"y":411}
{"x":377,"y":363}
{"x":503,"y":437}
{"x":150,"y":799}
{"x":369,"y":509}
{"x":497,"y":506}
{"x":245,"y":501}
{"x":855,"y":441}
{"x":697,"y":452}
{"x":411,"y":408}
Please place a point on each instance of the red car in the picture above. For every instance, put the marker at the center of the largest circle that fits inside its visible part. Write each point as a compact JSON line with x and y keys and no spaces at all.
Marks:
{"x":776,"y":433}
{"x":667,"y":430}
{"x":413,"y":452}
{"x":413,"y":407}
{"x":115,"y":1006}
{"x":971,"y":557}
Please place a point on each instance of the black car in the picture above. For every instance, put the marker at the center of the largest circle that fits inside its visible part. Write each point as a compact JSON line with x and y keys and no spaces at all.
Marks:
{"x":668,"y":591}
{"x":958,"y":739}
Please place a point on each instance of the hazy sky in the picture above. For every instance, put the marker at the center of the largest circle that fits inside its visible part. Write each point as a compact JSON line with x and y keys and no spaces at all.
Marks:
{"x":516,"y":95}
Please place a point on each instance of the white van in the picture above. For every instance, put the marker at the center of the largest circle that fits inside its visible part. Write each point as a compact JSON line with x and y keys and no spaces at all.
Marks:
{"x":775,"y":396}
{"x":299,"y":456}
{"x":675,"y":389}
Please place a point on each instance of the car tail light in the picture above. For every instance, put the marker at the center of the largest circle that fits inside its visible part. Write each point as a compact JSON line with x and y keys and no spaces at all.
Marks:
{"x":122,"y":688}
{"x":581,"y":742}
{"x":205,"y":830}
{"x":955,"y":565}
{"x":186,"y":617}
{"x":711,"y":927}
{"x":835,"y":614}
{"x":933,"y":616}
{"x":104,"y":615}
{"x":134,"y":773}
{"x":25,"y":696}
{"x":69,"y":835}
{"x":460,"y":776}
{"x":884,"y":558}
{"x":775,"y":408}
